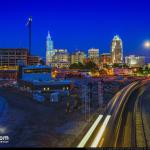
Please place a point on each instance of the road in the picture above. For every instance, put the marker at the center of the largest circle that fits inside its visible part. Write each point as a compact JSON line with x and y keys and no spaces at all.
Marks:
{"x":125,"y":121}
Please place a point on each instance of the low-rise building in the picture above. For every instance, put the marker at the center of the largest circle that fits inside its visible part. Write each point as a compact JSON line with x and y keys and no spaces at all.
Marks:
{"x":36,"y":73}
{"x":12,"y":59}
{"x":39,"y":78}
{"x":135,"y":61}
{"x":148,"y":65}
{"x":9,"y":72}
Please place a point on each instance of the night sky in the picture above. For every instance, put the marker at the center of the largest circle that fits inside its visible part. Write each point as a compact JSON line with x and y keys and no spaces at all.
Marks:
{"x":76,"y":24}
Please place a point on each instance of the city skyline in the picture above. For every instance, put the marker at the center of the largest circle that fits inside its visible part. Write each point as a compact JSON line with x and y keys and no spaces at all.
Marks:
{"x":75,"y":74}
{"x":73,"y":26}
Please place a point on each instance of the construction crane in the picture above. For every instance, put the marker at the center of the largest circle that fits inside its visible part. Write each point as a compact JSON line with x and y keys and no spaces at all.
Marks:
{"x":29,"y":24}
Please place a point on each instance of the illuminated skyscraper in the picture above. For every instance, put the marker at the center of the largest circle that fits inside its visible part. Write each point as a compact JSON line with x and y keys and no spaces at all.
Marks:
{"x":61,"y":59}
{"x":117,"y":50}
{"x":50,"y":52}
{"x":93,"y":55}
{"x":78,"y":57}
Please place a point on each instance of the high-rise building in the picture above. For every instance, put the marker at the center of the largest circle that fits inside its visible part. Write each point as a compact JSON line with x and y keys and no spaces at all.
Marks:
{"x":106,"y":59}
{"x":78,"y":57}
{"x":117,"y":50}
{"x":133,"y":61}
{"x":50,"y":52}
{"x":61,"y":59}
{"x":93,"y":55}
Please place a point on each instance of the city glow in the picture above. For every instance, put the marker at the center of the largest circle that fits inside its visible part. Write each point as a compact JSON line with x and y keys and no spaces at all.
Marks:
{"x":89,"y":133}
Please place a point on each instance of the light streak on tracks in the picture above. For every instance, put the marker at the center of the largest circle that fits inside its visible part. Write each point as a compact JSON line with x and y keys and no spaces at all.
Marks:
{"x":90,"y":132}
{"x":100,"y":132}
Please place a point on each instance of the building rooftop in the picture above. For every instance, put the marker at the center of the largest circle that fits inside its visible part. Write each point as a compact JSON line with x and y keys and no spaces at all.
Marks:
{"x":7,"y":49}
{"x":51,"y":83}
{"x":105,"y":54}
{"x":37,"y":67}
{"x":116,"y":38}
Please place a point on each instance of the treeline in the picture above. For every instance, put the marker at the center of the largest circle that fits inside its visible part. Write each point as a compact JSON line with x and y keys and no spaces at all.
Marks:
{"x":87,"y":66}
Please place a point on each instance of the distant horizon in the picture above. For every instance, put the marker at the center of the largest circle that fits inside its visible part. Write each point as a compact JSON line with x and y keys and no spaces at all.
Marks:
{"x":74,"y":24}
{"x":76,"y":50}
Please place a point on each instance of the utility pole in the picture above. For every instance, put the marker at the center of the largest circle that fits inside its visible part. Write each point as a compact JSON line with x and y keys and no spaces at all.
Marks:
{"x":29,"y":24}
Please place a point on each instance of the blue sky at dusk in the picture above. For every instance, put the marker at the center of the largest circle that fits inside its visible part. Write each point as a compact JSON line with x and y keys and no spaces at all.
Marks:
{"x":76,"y":24}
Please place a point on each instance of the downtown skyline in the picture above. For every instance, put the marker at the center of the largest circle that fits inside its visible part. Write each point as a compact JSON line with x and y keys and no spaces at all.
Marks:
{"x":76,"y":27}
{"x":75,"y":74}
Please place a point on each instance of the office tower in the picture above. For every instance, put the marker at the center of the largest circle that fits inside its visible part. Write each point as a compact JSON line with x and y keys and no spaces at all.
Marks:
{"x":78,"y":57}
{"x":60,"y":59}
{"x":50,"y":52}
{"x":93,"y":55}
{"x":117,"y":50}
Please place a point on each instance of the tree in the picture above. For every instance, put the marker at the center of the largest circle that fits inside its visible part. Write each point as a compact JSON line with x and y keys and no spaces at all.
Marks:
{"x":125,"y":66}
{"x":91,"y":66}
{"x":77,"y":66}
{"x":81,"y":66}
{"x":88,"y":66}
{"x":120,"y":66}
{"x":74,"y":66}
{"x":103,"y":72}
{"x":140,"y":71}
{"x":116,"y":65}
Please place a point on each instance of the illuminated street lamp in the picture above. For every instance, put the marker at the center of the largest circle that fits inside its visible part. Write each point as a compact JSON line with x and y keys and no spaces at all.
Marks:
{"x":147,"y":44}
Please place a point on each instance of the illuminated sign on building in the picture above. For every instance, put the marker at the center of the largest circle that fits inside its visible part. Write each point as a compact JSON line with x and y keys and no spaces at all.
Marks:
{"x":9,"y":68}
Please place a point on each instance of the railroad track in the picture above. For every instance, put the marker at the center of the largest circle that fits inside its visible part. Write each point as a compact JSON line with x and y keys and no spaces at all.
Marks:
{"x":140,"y":134}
